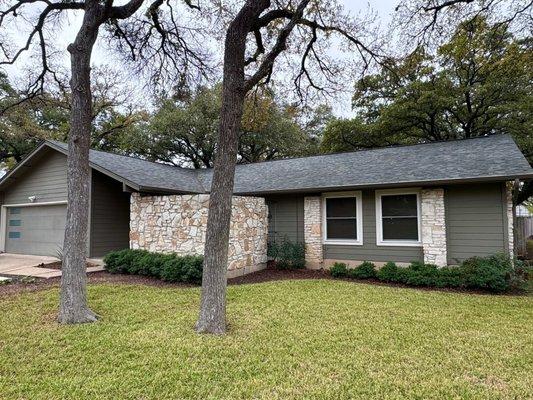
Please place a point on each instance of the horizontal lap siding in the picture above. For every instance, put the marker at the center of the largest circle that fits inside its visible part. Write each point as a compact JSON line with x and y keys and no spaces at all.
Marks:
{"x":286,"y":217}
{"x":369,"y":250}
{"x":110,"y":216}
{"x":474,"y":221}
{"x":46,"y":179}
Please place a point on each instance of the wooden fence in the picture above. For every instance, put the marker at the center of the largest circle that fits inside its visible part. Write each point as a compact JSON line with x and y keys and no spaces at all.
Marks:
{"x":523,"y":231}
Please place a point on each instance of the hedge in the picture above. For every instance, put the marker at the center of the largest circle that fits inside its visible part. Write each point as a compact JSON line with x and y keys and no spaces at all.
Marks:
{"x":497,"y":273}
{"x":287,"y":254}
{"x":168,"y":267}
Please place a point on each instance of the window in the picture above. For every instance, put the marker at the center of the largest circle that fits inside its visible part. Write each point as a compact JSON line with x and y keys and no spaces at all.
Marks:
{"x":398,"y":218}
{"x":15,"y":222}
{"x":14,"y":210}
{"x":14,"y":235}
{"x":342,"y":218}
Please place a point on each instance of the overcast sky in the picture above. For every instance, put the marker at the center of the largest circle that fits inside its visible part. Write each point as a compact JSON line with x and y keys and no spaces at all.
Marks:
{"x":383,"y":9}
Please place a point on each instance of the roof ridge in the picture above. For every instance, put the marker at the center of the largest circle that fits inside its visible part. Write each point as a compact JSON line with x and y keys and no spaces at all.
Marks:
{"x":392,"y":146}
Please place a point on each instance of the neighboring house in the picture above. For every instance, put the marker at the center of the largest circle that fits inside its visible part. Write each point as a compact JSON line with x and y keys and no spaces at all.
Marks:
{"x":437,"y":202}
{"x":523,"y":211}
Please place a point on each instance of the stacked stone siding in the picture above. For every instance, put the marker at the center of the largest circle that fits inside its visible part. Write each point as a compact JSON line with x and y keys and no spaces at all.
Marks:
{"x":177,"y":223}
{"x":433,"y":226}
{"x":313,"y":232}
{"x":510,"y":217}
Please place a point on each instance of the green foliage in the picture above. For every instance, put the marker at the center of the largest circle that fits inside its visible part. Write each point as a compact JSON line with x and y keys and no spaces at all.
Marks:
{"x":339,"y":270}
{"x":497,"y":273}
{"x":168,"y":267}
{"x":478,"y":83}
{"x":287,"y":254}
{"x":388,"y":273}
{"x":366,"y":270}
{"x":186,"y":129}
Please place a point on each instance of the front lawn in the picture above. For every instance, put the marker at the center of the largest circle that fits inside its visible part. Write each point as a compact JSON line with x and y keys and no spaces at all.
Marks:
{"x":289,"y":339}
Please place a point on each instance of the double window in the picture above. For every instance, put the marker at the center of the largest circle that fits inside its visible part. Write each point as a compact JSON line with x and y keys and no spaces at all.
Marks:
{"x":398,"y":217}
{"x":343,"y":219}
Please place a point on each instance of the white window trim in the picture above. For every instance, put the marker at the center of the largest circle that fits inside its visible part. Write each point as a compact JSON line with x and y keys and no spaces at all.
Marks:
{"x":379,"y":220}
{"x":3,"y":217}
{"x":359,"y":218}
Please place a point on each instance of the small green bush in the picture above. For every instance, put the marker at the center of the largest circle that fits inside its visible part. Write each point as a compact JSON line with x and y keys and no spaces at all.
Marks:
{"x":287,"y":254}
{"x":121,"y":261}
{"x":339,"y":270}
{"x":497,"y":273}
{"x":388,"y":273}
{"x":366,"y":270}
{"x":168,"y":267}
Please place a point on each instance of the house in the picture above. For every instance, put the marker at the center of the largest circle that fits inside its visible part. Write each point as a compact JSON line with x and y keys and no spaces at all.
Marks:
{"x":438,"y":202}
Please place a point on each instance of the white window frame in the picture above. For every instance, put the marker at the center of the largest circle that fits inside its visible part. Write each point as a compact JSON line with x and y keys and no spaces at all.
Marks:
{"x":379,"y":220}
{"x":359,"y":218}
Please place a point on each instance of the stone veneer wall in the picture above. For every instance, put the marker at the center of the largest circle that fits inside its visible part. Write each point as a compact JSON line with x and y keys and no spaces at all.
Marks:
{"x":177,"y":223}
{"x":313,"y":232}
{"x":433,"y":226}
{"x":510,"y":216}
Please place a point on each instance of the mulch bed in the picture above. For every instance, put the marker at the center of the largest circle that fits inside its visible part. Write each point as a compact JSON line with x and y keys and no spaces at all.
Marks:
{"x":267,"y":275}
{"x":59,"y":264}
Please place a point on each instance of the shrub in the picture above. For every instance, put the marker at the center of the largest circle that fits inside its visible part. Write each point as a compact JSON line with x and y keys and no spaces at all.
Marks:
{"x":493,"y":273}
{"x":419,"y":274}
{"x":366,"y":270}
{"x":168,"y":267}
{"x":287,"y":254}
{"x":338,"y":270}
{"x":388,"y":273}
{"x":121,"y":261}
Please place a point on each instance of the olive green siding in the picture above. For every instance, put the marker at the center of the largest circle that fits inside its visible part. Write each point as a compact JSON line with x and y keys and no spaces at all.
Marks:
{"x":286,"y":217}
{"x":46,"y":179}
{"x":110,"y":216}
{"x":475,"y":220}
{"x":369,"y":250}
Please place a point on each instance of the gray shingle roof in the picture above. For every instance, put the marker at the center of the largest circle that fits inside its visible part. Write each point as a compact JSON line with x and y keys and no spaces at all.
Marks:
{"x":494,"y":157}
{"x":143,"y":174}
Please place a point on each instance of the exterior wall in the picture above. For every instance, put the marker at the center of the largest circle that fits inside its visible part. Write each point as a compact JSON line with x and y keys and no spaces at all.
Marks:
{"x":314,"y":256}
{"x":369,"y":251}
{"x":286,"y":218}
{"x":110,"y":216}
{"x":177,"y":224}
{"x":433,"y":226}
{"x":47,"y":180}
{"x":476,"y":222}
{"x":509,"y":216}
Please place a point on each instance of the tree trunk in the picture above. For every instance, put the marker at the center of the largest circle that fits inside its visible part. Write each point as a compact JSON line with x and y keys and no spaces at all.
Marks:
{"x":73,"y":308}
{"x":212,"y":317}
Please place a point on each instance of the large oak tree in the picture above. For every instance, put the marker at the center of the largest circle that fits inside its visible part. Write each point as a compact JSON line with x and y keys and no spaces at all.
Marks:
{"x":149,"y":40}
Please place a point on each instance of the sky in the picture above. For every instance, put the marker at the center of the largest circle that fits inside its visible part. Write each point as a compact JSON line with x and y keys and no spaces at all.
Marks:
{"x":341,"y":104}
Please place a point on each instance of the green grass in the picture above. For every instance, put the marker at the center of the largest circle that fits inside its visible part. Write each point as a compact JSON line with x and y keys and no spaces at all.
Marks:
{"x":290,"y":339}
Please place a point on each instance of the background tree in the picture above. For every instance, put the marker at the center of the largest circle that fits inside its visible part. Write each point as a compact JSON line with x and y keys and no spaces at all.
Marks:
{"x":42,"y":16}
{"x":116,"y":121}
{"x":478,"y":83}
{"x":183,"y":131}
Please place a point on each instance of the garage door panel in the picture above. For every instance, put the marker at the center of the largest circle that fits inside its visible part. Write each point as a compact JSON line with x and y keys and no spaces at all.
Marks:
{"x":36,"y":229}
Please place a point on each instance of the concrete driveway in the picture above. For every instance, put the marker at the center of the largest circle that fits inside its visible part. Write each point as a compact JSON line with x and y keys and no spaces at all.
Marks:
{"x":25,"y":265}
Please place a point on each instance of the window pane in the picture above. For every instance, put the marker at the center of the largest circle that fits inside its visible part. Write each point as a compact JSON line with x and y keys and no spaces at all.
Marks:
{"x":14,"y":222}
{"x":401,"y":205}
{"x":14,"y":235}
{"x":400,"y":229}
{"x":342,"y":229}
{"x":341,"y":207}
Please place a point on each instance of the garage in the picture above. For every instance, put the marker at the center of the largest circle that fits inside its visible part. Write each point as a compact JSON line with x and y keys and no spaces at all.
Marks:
{"x":37,"y":230}
{"x":33,"y":204}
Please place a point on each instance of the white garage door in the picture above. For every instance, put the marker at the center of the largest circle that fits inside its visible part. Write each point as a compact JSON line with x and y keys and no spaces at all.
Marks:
{"x":35,"y":230}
